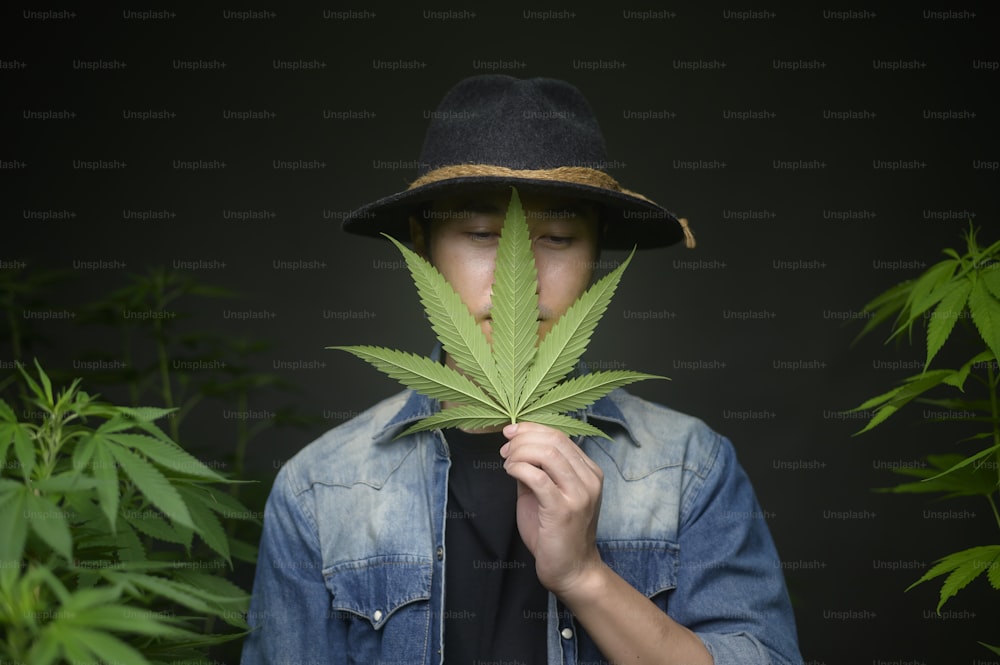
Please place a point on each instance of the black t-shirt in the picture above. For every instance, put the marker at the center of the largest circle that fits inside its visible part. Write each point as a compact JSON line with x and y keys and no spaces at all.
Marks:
{"x":495,"y":608}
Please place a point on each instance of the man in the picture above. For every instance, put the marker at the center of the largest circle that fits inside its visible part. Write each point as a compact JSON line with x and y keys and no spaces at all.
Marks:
{"x":523,"y":545}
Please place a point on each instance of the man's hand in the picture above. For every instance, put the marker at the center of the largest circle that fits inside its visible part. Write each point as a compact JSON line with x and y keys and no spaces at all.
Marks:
{"x":558,"y":503}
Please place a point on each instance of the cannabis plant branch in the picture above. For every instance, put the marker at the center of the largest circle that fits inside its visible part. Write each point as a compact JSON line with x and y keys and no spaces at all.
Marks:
{"x":81,"y":487}
{"x":961,"y":288}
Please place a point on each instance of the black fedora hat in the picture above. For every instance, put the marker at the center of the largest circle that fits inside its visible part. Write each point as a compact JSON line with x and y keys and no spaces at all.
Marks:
{"x":538,"y":134}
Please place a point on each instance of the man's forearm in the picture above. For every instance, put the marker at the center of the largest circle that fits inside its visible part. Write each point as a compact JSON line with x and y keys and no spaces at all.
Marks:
{"x":626,"y":626}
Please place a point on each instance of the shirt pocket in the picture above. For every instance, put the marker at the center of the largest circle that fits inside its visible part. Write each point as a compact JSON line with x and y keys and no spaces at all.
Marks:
{"x":382,"y":608}
{"x":375,"y":589}
{"x":647,"y":565}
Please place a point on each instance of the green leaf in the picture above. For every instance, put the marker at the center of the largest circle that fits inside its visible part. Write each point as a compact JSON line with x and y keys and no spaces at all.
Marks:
{"x":990,"y":276}
{"x":20,"y":434}
{"x":566,"y":424}
{"x":33,"y":385}
{"x":83,"y":600}
{"x":584,"y":390}
{"x":466,"y":417}
{"x":456,"y":328}
{"x":985,"y":311}
{"x":962,"y":373}
{"x":83,"y":452}
{"x":223,"y":503}
{"x":514,"y":310}
{"x":928,"y":289}
{"x":128,"y":619}
{"x":106,"y":473}
{"x":45,"y":650}
{"x":109,"y":648}
{"x":14,"y":525}
{"x":7,"y":414}
{"x":206,"y":523}
{"x":145,"y":414}
{"x":423,"y":375}
{"x":971,"y":459}
{"x":970,"y":480}
{"x":65,"y":483}
{"x":893,"y":400}
{"x":117,"y":423}
{"x":153,"y":485}
{"x":956,"y":404}
{"x":153,"y":525}
{"x":242,"y":550}
{"x":153,"y":430}
{"x":8,"y":423}
{"x":944,"y":317}
{"x":66,"y":396}
{"x":126,"y":542}
{"x":223,"y":591}
{"x":46,"y":384}
{"x":206,"y":601}
{"x":566,"y":341}
{"x":961,"y":567}
{"x":885,"y":306}
{"x":24,"y":448}
{"x":994,"y":649}
{"x":232,"y":600}
{"x":169,"y":455}
{"x":49,"y":522}
{"x":993,"y":575}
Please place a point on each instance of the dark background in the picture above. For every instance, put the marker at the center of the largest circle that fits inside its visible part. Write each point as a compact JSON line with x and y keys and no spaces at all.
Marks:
{"x":366,"y":84}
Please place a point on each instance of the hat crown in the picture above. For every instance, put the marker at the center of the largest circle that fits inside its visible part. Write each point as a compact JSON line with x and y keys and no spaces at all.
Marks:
{"x":537,"y":123}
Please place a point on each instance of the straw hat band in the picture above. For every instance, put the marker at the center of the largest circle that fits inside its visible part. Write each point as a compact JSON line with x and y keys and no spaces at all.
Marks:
{"x":579,"y":175}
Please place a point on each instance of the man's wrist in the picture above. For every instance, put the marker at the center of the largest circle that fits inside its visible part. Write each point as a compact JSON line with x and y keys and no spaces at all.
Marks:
{"x":588,"y":585}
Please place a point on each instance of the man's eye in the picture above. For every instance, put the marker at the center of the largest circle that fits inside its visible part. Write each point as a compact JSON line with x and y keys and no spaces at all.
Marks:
{"x":482,"y":236}
{"x":559,"y":241}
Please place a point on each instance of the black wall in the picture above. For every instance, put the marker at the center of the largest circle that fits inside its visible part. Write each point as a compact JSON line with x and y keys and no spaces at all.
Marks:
{"x":801,"y":217}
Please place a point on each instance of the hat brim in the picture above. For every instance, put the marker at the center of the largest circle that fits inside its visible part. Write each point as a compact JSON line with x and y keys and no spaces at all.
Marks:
{"x":630,"y":221}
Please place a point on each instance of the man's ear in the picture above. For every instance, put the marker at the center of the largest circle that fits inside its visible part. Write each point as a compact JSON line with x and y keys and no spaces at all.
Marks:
{"x":418,"y":237}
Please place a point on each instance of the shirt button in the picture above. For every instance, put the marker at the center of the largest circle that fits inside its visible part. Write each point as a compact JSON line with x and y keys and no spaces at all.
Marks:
{"x":377,"y":615}
{"x":567,"y":633}
{"x":440,"y":553}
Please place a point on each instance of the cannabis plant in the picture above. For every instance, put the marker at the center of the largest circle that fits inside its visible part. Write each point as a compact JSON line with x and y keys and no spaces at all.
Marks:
{"x":517,"y":377}
{"x":163,"y":361}
{"x":959,"y":293}
{"x":99,"y":510}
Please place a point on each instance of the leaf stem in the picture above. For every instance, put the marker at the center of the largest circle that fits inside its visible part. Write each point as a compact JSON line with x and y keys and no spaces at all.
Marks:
{"x":161,"y":352}
{"x":49,"y":435}
{"x":995,"y":413}
{"x":242,"y":439}
{"x":993,"y":506}
{"x":134,"y":388}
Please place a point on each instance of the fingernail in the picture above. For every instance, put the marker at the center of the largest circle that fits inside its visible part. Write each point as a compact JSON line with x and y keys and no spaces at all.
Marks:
{"x":510,"y":430}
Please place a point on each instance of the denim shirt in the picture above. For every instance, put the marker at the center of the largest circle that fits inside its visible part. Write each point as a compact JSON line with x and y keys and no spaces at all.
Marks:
{"x":352,"y":556}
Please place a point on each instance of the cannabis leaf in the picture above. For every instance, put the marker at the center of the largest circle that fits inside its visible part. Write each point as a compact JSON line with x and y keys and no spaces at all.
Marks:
{"x":518,"y":377}
{"x":963,"y":567}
